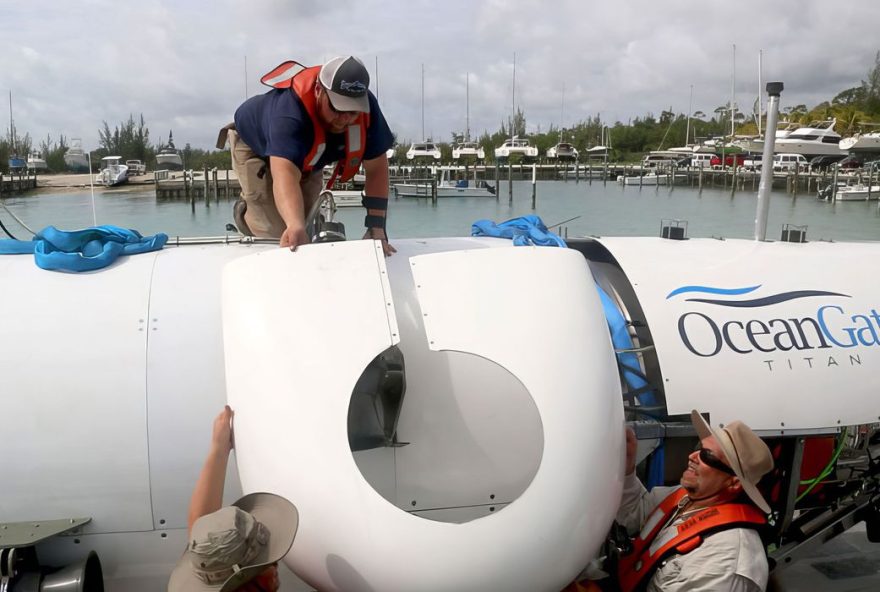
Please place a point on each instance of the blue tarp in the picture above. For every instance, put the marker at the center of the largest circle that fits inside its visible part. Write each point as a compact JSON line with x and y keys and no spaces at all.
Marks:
{"x":525,"y":230}
{"x":82,"y":250}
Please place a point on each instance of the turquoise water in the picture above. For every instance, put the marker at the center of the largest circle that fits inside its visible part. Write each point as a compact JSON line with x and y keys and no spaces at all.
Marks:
{"x":602,"y":209}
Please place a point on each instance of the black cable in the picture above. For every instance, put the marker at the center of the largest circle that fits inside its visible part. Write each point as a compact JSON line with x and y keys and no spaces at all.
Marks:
{"x":9,"y":234}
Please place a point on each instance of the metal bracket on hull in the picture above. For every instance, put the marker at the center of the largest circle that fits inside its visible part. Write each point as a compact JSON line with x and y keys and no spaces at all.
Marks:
{"x":23,"y":534}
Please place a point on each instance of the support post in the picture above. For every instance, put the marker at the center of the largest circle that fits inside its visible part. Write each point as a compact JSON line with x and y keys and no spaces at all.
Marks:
{"x":534,"y":185}
{"x":509,"y":181}
{"x":774,"y":89}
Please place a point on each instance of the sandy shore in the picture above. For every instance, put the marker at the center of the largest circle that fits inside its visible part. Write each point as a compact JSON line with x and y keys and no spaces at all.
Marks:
{"x":64,"y":182}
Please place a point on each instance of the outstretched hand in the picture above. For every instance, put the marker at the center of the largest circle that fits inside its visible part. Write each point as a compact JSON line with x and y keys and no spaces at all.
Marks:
{"x":222,"y":436}
{"x":294,"y":236}
{"x":379,"y":234}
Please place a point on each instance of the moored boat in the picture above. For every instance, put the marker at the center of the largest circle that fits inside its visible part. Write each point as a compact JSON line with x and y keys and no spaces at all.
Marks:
{"x":75,"y":158}
{"x":168,"y":157}
{"x":112,"y":172}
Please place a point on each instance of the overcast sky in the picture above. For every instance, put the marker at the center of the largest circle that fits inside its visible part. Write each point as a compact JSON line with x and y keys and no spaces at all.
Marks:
{"x":73,"y":65}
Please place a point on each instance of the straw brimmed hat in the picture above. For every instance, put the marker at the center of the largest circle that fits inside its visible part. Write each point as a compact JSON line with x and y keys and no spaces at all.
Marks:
{"x":233,"y":545}
{"x":748,"y":455}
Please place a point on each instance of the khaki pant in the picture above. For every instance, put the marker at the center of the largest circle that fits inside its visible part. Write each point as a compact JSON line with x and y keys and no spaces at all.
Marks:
{"x":255,"y":178}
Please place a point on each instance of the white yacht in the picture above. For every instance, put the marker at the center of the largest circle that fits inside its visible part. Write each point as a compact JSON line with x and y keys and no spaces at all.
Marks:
{"x":75,"y":158}
{"x":36,"y":162}
{"x":112,"y":173}
{"x":756,"y":143}
{"x":423,"y":150}
{"x":563,"y":151}
{"x":868,"y":142}
{"x":599,"y":151}
{"x":516,"y":145}
{"x":815,"y":139}
{"x":168,"y":157}
{"x":468,"y":150}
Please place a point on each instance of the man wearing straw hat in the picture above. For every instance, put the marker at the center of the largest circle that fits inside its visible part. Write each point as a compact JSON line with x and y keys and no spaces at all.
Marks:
{"x":702,"y":535}
{"x":233,"y":548}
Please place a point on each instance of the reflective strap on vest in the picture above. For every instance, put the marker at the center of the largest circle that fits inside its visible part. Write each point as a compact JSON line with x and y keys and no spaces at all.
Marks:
{"x":654,"y":543}
{"x":282,"y":75}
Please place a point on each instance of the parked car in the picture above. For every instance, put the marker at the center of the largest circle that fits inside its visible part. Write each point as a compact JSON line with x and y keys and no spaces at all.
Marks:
{"x":789,"y":162}
{"x":820,"y":163}
{"x":853,"y":161}
{"x":729,"y":160}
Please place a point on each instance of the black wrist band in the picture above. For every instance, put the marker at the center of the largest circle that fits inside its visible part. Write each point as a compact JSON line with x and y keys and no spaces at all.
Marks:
{"x":371,"y":221}
{"x":374,"y":203}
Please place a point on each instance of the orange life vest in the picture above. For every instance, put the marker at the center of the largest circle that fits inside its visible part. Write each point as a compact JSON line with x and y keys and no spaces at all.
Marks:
{"x":635,"y":569}
{"x":302,"y":80}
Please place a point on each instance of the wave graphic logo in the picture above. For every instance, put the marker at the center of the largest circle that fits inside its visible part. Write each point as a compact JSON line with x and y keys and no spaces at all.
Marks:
{"x":746,"y":303}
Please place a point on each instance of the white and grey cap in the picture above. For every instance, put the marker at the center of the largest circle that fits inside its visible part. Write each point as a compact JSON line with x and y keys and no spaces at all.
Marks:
{"x":346,"y":80}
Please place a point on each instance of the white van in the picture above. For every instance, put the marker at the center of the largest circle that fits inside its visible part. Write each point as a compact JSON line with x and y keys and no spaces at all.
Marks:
{"x":789,"y":162}
{"x":701,"y":160}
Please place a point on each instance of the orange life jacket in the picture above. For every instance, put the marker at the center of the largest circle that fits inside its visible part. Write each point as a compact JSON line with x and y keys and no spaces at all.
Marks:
{"x":635,"y":569}
{"x":302,"y":80}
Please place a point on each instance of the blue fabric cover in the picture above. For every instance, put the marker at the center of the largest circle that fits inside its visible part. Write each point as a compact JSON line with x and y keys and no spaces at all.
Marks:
{"x":276,"y":124}
{"x":628,"y":362}
{"x":525,"y":230}
{"x":83,"y":250}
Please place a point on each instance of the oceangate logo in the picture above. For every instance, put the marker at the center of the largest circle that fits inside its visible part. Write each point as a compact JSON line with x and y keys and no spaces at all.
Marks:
{"x":831,"y":326}
{"x":356,"y":88}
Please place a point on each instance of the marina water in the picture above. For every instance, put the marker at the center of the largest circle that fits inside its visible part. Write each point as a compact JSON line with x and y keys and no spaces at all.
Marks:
{"x":600,"y":209}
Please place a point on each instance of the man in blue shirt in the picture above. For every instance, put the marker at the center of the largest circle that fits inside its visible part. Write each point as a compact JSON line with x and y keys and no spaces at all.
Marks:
{"x":283,"y":139}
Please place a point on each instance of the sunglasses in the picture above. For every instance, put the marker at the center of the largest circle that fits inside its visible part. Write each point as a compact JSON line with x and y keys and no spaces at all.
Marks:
{"x":333,"y":109}
{"x":708,"y":458}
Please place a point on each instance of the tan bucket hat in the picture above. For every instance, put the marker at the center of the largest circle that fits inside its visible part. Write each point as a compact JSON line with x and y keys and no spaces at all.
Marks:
{"x":748,"y":455}
{"x":233,"y":545}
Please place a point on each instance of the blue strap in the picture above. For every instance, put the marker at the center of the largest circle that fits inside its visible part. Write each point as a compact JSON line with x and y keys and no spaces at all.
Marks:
{"x":83,"y":250}
{"x":525,"y":230}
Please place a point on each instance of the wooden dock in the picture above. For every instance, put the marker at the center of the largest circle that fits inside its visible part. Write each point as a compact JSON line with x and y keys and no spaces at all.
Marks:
{"x":196,"y":185}
{"x":11,"y":184}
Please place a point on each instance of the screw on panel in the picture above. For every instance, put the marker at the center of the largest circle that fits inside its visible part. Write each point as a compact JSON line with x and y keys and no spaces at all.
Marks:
{"x":161,"y":521}
{"x":491,"y":496}
{"x":414,"y":503}
{"x":164,"y":535}
{"x":491,"y":508}
{"x":75,"y":541}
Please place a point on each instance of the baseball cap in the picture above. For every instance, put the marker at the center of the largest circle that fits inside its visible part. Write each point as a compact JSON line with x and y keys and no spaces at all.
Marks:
{"x":346,"y":81}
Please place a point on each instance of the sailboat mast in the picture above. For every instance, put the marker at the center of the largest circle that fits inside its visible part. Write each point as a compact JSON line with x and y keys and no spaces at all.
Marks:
{"x":733,"y":94}
{"x":423,"y":102}
{"x":687,"y":131}
{"x":513,"y":100}
{"x":11,"y":124}
{"x":760,"y":86}
{"x":467,"y":111}
{"x":562,"y":114}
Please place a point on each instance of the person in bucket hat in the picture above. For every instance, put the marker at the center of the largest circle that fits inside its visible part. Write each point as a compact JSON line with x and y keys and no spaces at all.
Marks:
{"x":702,"y":535}
{"x":281,"y":141}
{"x":237,"y":547}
